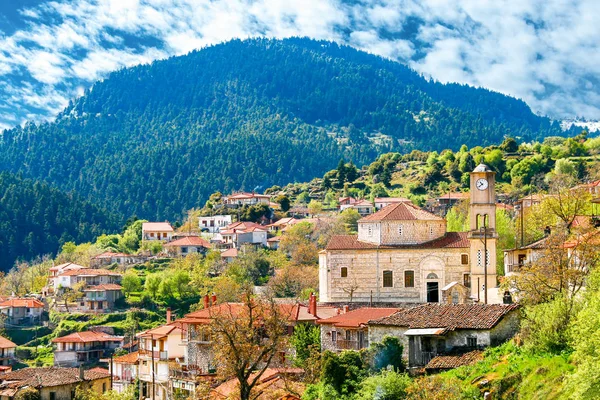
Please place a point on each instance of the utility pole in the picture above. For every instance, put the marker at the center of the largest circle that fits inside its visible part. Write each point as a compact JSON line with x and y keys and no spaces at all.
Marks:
{"x":153,"y":374}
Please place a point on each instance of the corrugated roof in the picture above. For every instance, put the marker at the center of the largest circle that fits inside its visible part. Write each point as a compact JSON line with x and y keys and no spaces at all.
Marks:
{"x":351,"y":242}
{"x":401,"y":212}
{"x":358,"y":317}
{"x":449,"y":316}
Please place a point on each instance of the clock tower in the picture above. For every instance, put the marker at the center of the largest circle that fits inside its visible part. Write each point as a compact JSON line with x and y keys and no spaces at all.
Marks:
{"x":482,"y":232}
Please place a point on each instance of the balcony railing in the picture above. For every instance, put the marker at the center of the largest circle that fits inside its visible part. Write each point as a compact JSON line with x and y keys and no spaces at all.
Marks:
{"x":185,"y":372}
{"x":513,"y":268}
{"x":343,"y":344}
{"x":157,"y":355}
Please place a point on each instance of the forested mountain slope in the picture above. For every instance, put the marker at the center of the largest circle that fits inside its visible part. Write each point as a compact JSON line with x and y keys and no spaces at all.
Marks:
{"x":37,"y":219}
{"x":157,"y":139}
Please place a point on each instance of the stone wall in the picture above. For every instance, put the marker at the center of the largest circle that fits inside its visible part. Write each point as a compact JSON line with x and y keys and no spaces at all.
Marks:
{"x":365,"y":273}
{"x":378,"y":332}
{"x":401,"y":232}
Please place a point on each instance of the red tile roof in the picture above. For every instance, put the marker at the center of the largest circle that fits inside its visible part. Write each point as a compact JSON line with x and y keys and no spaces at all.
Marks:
{"x":401,"y":212}
{"x":230,"y":253}
{"x":450,"y":361}
{"x":49,"y":377}
{"x":90,"y":272}
{"x":362,"y":203}
{"x":87,"y":337}
{"x":22,"y":302}
{"x":6,"y":344}
{"x":454,"y":196}
{"x":448,"y":316}
{"x":392,"y":200}
{"x":189,"y":241}
{"x":131,"y":358}
{"x":110,"y":254}
{"x":241,"y":227}
{"x":157,"y":227}
{"x":102,"y":288}
{"x":65,"y":265}
{"x":163,"y":330}
{"x":351,"y":242}
{"x":358,"y":317}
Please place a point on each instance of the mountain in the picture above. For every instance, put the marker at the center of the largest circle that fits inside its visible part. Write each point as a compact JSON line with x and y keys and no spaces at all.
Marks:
{"x":155,"y":140}
{"x":37,"y":219}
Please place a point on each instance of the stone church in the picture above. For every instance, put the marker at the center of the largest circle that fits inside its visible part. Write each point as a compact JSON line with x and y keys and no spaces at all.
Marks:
{"x":404,"y":254}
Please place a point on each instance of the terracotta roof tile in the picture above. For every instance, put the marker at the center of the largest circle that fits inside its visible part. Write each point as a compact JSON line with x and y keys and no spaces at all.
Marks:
{"x":131,"y":358}
{"x":392,"y":200}
{"x":5,"y":343}
{"x":21,"y":302}
{"x":189,"y":241}
{"x":401,"y":212}
{"x":110,"y":254}
{"x":351,"y":242}
{"x":450,"y":361}
{"x":358,"y":317}
{"x":157,"y":227}
{"x":87,"y":337}
{"x":90,"y":272}
{"x":65,"y":265}
{"x":448,"y":316}
{"x":101,"y":288}
{"x":230,"y":253}
{"x":49,"y":376}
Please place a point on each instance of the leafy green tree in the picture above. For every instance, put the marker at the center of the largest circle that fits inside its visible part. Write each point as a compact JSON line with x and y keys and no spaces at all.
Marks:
{"x":131,"y":282}
{"x":343,"y":371}
{"x":386,"y":354}
{"x":350,"y":219}
{"x":152,"y":284}
{"x":28,"y":393}
{"x":283,"y":201}
{"x":315,"y":207}
{"x":387,"y":385}
{"x":306,"y":339}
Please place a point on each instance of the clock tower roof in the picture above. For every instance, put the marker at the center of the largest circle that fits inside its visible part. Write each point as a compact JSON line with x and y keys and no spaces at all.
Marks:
{"x":482,"y":168}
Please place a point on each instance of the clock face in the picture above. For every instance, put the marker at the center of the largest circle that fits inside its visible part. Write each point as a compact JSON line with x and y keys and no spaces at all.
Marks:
{"x":481,"y":184}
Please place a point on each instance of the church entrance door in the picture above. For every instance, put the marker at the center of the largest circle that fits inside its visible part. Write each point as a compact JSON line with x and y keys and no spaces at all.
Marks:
{"x":433,"y":295}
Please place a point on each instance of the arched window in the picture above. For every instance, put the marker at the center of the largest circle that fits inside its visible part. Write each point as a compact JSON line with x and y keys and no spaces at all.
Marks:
{"x":432,"y":276}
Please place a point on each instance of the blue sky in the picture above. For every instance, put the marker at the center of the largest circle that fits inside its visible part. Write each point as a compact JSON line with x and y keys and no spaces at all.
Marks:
{"x":545,"y":52}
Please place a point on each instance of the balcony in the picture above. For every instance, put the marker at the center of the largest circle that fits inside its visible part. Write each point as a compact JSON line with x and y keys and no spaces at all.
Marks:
{"x":185,"y":372}
{"x":512,"y":268}
{"x":343,"y":344}
{"x":157,"y":355}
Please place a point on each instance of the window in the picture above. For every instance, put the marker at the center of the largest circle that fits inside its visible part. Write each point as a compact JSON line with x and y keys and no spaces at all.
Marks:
{"x":370,"y":231}
{"x":400,"y":230}
{"x":151,"y":234}
{"x":344,"y":272}
{"x":479,"y":259}
{"x":388,"y":279}
{"x":431,"y":230}
{"x":103,"y":387}
{"x":472,"y":342}
{"x":487,"y":258}
{"x":333,"y":336}
{"x":409,"y":278}
{"x":431,"y":275}
{"x":467,"y":280}
{"x":455,"y":297}
{"x":464,"y":259}
{"x":52,"y":395}
{"x":184,"y":250}
{"x":348,"y":335}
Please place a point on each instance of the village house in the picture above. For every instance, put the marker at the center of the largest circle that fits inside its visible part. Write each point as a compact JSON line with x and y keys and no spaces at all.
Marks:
{"x":282,"y":223}
{"x":90,"y":276}
{"x":53,"y":383}
{"x":7,"y":354}
{"x":229,"y":255}
{"x":274,"y":383}
{"x":110,"y":258}
{"x":162,"y":231}
{"x":54,"y":272}
{"x":214,"y":224}
{"x":21,"y":311}
{"x":124,"y":371}
{"x":240,"y":233}
{"x":345,"y":202}
{"x":273,"y":243}
{"x":442,"y":204}
{"x":363,"y":207}
{"x":381,"y":202}
{"x":438,"y":330}
{"x":86,"y":347}
{"x":101,"y":298}
{"x":187,"y":245}
{"x":160,"y":349}
{"x":404,"y":254}
{"x":246,"y":199}
{"x":349,"y":330}
{"x":198,"y":359}
{"x":515,"y":259}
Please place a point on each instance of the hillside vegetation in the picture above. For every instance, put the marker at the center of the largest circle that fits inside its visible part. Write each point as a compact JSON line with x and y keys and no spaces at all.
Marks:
{"x":155,"y":140}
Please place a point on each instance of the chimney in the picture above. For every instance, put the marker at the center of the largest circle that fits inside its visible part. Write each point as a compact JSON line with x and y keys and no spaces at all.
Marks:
{"x":81,"y":373}
{"x":168,"y":315}
{"x":346,"y":309}
{"x":214,"y":299}
{"x":312,"y":304}
{"x":206,"y":300}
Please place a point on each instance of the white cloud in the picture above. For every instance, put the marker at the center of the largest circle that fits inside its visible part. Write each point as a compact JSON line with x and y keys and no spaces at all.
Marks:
{"x":544,"y":51}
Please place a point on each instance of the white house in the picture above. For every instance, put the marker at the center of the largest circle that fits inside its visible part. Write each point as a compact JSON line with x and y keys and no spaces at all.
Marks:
{"x":214,"y":224}
{"x":157,"y":231}
{"x":240,"y":233}
{"x":124,"y":371}
{"x":91,"y":276}
{"x":246,"y":199}
{"x":22,"y":311}
{"x":381,"y":202}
